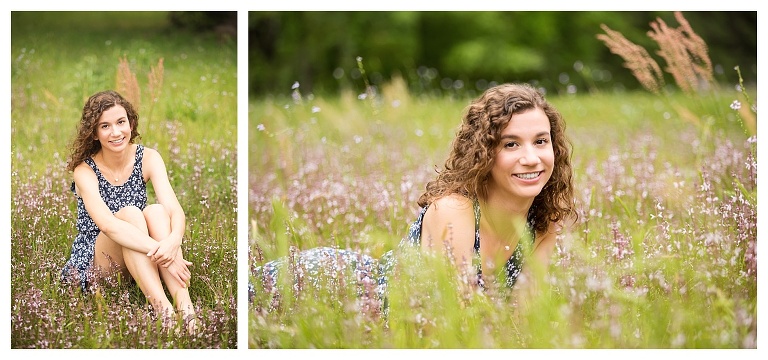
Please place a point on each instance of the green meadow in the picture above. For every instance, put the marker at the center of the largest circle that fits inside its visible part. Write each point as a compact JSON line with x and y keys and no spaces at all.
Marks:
{"x":662,"y":256}
{"x":57,"y":61}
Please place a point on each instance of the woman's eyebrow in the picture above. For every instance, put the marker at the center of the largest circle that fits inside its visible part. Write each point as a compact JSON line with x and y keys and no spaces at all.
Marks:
{"x":107,"y":122}
{"x":514,"y":136}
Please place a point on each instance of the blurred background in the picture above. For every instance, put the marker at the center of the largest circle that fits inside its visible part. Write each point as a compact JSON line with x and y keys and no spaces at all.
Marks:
{"x":461,"y":53}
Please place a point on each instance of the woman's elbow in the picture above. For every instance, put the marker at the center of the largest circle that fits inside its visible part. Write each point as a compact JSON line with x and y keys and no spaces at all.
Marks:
{"x":108,"y":227}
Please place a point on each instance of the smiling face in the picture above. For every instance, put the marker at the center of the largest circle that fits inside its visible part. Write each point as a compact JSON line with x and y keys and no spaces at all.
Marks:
{"x":113,"y":130}
{"x":524,"y":158}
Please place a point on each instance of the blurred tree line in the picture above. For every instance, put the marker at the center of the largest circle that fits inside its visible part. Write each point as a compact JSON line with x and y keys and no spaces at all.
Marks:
{"x":465,"y":52}
{"x":221,"y":23}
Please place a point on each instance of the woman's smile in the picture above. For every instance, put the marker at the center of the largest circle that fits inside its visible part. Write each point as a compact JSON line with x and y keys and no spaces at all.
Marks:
{"x":531,"y":176}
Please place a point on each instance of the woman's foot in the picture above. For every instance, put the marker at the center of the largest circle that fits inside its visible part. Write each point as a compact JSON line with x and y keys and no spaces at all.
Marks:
{"x":190,"y":323}
{"x":189,"y":318}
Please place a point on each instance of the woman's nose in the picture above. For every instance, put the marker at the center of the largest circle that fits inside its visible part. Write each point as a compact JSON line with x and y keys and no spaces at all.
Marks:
{"x":530,"y":157}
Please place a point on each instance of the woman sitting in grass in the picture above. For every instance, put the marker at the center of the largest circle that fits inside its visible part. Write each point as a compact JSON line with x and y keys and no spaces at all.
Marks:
{"x":505,"y":192}
{"x":117,"y":230}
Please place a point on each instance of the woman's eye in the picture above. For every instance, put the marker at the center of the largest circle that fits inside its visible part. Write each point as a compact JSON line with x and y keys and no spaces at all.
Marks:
{"x":510,"y":145}
{"x":541,"y":141}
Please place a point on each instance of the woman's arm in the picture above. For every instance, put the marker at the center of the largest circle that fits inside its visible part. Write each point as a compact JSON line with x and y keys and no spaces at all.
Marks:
{"x":154,"y":171}
{"x":450,"y":223}
{"x":544,"y":246}
{"x":122,"y":232}
{"x":537,"y":265}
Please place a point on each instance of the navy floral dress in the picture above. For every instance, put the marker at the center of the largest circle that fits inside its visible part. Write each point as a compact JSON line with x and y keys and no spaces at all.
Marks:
{"x":369,"y":270}
{"x":133,"y":192}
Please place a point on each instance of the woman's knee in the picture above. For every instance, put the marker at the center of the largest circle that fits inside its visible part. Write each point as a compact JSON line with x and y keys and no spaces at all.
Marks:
{"x":158,"y":220}
{"x":131,"y":214}
{"x":156,"y":211}
{"x":157,"y":214}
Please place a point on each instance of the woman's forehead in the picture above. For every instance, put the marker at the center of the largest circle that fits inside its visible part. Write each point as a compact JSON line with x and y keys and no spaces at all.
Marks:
{"x":114,"y":113}
{"x":529,"y":121}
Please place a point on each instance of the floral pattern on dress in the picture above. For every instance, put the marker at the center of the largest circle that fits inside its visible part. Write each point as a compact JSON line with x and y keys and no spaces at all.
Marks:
{"x":133,"y":192}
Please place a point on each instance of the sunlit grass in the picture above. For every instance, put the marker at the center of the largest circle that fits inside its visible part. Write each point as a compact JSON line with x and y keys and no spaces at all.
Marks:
{"x":664,"y":187}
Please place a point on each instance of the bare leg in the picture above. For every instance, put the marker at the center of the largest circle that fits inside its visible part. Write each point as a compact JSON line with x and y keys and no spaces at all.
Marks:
{"x":139,"y":265}
{"x":159,"y":224}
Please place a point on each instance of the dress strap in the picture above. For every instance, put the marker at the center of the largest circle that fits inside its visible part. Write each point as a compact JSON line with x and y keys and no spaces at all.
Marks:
{"x":137,"y":163}
{"x":476,"y":206}
{"x":414,"y":231}
{"x":92,"y":164}
{"x":139,"y":153}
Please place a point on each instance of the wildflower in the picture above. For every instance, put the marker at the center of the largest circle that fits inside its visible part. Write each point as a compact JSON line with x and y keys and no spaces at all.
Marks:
{"x":736,"y":105}
{"x":295,"y":85}
{"x":622,"y":247}
{"x":260,"y":127}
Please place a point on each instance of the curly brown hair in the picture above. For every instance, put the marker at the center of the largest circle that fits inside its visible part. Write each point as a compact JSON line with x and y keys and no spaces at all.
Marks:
{"x":469,"y":164}
{"x":84,"y":145}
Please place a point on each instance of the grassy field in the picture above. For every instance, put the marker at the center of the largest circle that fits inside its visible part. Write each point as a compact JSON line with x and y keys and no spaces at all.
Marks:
{"x":663,"y":255}
{"x":57,"y":61}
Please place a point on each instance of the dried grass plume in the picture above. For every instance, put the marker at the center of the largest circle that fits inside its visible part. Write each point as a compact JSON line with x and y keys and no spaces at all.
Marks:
{"x":636,"y":59}
{"x":127,"y":85}
{"x":685,"y":53}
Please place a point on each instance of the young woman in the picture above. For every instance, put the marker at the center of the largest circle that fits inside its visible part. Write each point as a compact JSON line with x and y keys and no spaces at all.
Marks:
{"x":508,"y":178}
{"x":117,"y":230}
{"x":504,"y":193}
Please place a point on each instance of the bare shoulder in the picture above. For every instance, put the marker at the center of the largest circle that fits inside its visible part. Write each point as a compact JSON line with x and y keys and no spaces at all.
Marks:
{"x":151,"y":154}
{"x":450,"y":219}
{"x":152,"y":159}
{"x":549,"y":234}
{"x":545,"y":242}
{"x":553,"y":229}
{"x":451,"y":203}
{"x":455,"y":210}
{"x":82,"y":170}
{"x":152,"y":165}
{"x":84,"y":177}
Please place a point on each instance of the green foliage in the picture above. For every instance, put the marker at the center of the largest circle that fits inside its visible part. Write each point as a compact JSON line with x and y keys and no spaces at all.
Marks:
{"x":486,"y":58}
{"x":58,"y":60}
{"x":204,"y":20}
{"x":553,"y":48}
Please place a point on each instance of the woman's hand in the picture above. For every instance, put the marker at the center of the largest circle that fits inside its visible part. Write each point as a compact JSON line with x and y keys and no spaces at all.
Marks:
{"x":179,"y":269}
{"x":166,"y":252}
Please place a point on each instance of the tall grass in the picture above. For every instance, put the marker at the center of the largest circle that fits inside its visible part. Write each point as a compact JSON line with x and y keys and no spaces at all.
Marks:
{"x":664,"y":254}
{"x":58,"y":60}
